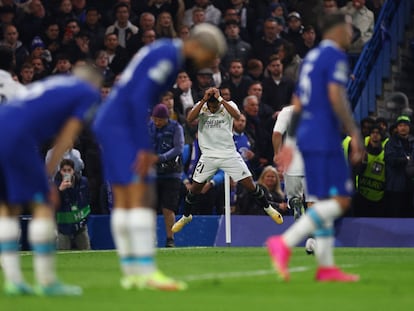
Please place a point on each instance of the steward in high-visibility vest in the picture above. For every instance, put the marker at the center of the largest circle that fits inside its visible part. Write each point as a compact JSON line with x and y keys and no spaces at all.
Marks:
{"x":369,"y":198}
{"x":371,"y":181}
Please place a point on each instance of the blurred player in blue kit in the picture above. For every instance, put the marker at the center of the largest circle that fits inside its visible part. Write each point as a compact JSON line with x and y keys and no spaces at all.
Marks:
{"x":57,"y":107}
{"x":122,"y":129}
{"x":321,"y":111}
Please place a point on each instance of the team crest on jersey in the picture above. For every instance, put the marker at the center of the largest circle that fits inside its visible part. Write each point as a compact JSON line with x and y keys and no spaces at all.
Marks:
{"x":341,"y":71}
{"x":161,"y":71}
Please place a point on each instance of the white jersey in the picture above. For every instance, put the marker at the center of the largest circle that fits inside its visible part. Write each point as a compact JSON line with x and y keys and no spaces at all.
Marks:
{"x":283,"y":119}
{"x":215,"y":132}
{"x":8,"y":87}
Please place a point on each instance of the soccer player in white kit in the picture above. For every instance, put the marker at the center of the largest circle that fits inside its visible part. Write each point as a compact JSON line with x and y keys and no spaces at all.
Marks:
{"x":218,"y":151}
{"x":294,"y":175}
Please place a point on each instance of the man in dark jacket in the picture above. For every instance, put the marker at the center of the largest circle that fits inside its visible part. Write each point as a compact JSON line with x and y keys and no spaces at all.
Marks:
{"x":399,"y":186}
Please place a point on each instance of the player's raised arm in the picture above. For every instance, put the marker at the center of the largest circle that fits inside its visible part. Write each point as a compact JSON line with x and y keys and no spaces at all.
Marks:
{"x":193,"y":114}
{"x":234,"y":112}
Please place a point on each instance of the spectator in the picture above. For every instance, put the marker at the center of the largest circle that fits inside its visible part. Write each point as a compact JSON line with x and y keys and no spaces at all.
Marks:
{"x":63,"y":65}
{"x":204,"y":80}
{"x":79,"y":9}
{"x":118,"y":56}
{"x":32,"y":23}
{"x":167,"y":99}
{"x":270,"y":183}
{"x":94,"y":29}
{"x":258,"y":138}
{"x":290,"y":59}
{"x":236,"y":47}
{"x":184,"y":98}
{"x":146,"y":23}
{"x":168,"y":140}
{"x":105,"y":90}
{"x":368,"y":200}
{"x":229,"y":15}
{"x":363,"y":20}
{"x":164,"y":26}
{"x":9,"y":87}
{"x":241,"y":140}
{"x":212,"y":14}
{"x":308,"y":41}
{"x":366,"y":124}
{"x":294,"y":31}
{"x":80,"y":49}
{"x":51,"y":37}
{"x":270,"y":42}
{"x":102,"y":62}
{"x":174,"y":7}
{"x":72,"y":28}
{"x":399,"y":171}
{"x":11,"y":39}
{"x":122,"y":26}
{"x":63,"y":12}
{"x":277,"y":89}
{"x":38,"y":49}
{"x":219,"y":75}
{"x":71,"y":217}
{"x":247,"y":16}
{"x":39,"y":68}
{"x":148,"y":37}
{"x":26,"y":73}
{"x":254,"y":69}
{"x":183,"y":32}
{"x":237,"y":82}
{"x":199,"y":16}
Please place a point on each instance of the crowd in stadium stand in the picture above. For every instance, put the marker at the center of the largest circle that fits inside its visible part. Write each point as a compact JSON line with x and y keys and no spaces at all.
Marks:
{"x":267,"y":40}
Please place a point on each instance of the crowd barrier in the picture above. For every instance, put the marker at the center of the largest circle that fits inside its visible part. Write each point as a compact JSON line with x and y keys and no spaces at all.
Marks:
{"x":252,"y":231}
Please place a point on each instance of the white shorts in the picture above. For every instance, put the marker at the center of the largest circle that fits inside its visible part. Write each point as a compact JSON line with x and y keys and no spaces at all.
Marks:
{"x":234,"y":166}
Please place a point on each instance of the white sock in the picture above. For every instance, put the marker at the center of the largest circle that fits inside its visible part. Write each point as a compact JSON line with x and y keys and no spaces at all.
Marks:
{"x":324,"y":251}
{"x":42,"y":237}
{"x":122,"y":239}
{"x":9,"y":249}
{"x":321,"y":214}
{"x":142,"y":226}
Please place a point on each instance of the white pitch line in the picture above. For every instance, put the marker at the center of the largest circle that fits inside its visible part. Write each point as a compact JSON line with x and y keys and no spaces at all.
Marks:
{"x":236,"y":274}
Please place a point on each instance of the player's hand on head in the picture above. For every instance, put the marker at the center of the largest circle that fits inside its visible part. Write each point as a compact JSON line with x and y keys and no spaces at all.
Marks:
{"x":216,"y":92}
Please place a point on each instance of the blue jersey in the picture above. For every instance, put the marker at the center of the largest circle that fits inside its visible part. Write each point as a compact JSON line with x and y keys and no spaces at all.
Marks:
{"x":320,"y":129}
{"x":41,"y":111}
{"x":150,"y":73}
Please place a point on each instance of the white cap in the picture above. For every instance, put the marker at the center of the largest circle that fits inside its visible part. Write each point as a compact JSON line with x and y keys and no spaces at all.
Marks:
{"x":210,"y":37}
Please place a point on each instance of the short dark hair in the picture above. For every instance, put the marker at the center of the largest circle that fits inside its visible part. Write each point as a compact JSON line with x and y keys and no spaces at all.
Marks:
{"x":6,"y":58}
{"x":328,"y":21}
{"x":68,"y":162}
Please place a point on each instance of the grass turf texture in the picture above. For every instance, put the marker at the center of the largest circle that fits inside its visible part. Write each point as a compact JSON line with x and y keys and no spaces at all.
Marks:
{"x":232,"y":279}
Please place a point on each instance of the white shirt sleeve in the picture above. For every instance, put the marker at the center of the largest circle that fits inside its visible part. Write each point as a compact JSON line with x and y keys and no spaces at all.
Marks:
{"x":283,"y":120}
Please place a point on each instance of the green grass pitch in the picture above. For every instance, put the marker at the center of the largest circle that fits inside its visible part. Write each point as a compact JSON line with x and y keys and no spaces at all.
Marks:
{"x":231,"y":279}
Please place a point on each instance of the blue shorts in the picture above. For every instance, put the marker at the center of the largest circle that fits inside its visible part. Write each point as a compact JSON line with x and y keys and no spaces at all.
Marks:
{"x":327,"y":174}
{"x":23,"y":173}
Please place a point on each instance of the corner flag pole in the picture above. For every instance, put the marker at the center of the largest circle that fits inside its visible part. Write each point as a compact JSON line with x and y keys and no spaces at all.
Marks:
{"x":227,"y":210}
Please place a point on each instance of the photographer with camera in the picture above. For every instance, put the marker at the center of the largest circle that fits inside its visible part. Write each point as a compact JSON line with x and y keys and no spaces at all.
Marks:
{"x":167,"y":137}
{"x":74,"y":208}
